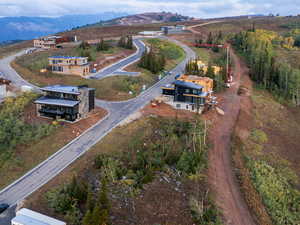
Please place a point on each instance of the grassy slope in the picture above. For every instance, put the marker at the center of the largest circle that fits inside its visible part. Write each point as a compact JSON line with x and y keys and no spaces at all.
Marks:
{"x":128,"y":135}
{"x":268,"y":134}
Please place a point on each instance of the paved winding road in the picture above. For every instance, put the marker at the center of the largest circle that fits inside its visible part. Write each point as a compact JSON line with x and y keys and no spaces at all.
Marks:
{"x":117,"y":68}
{"x":118,"y":111}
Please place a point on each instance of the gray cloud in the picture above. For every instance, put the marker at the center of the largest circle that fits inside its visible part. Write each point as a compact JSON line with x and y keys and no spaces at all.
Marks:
{"x":196,"y":8}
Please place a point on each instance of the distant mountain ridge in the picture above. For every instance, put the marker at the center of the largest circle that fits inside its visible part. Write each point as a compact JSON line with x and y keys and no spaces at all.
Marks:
{"x":26,"y":28}
{"x":146,"y":18}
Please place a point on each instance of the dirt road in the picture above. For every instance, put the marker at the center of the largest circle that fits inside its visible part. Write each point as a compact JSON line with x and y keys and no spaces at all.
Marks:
{"x":221,"y":175}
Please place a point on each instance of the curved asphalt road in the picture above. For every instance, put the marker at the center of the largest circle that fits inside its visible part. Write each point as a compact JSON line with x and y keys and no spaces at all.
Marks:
{"x":117,"y":68}
{"x":118,"y":111}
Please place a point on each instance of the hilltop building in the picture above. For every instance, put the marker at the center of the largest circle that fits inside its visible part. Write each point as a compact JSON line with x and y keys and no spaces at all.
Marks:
{"x":66,"y":102}
{"x":172,"y":29}
{"x":69,"y":65}
{"x":151,"y":33}
{"x":29,"y":217}
{"x":51,"y":41}
{"x":189,"y":93}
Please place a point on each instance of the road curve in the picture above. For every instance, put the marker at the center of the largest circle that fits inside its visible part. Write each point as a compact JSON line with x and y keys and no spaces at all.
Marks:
{"x":118,"y":111}
{"x":117,"y":68}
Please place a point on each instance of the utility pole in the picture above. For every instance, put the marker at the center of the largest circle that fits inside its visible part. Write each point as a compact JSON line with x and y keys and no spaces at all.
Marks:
{"x":227,"y":62}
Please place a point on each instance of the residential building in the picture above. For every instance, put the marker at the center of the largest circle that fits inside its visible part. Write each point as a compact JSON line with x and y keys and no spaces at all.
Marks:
{"x":29,"y":217}
{"x":51,"y":41}
{"x":186,"y":95}
{"x":206,"y":82}
{"x":69,"y":65}
{"x":151,"y":33}
{"x":3,"y":87}
{"x":66,"y":102}
{"x":172,"y":29}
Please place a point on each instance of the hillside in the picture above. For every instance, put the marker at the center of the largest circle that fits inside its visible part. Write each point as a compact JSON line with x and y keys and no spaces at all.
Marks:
{"x":25,"y":28}
{"x":147,"y":18}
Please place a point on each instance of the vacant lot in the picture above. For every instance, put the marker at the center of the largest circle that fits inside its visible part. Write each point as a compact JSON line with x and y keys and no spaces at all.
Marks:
{"x":150,"y":191}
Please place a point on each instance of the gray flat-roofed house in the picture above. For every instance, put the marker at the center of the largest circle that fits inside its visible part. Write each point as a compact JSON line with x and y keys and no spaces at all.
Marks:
{"x":29,"y":217}
{"x":172,"y":29}
{"x":66,"y":102}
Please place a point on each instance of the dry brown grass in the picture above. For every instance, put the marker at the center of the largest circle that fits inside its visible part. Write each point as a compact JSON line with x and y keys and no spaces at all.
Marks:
{"x":10,"y":49}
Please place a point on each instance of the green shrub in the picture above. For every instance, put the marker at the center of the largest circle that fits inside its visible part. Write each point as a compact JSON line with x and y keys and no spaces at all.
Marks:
{"x":259,"y":136}
{"x":13,"y":129}
{"x":281,"y":199}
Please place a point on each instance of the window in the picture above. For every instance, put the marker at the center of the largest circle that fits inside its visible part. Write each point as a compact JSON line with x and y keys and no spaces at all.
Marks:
{"x":195,"y":92}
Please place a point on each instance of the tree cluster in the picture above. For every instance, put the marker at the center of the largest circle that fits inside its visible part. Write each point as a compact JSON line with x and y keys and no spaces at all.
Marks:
{"x":269,"y":72}
{"x":102,"y":45}
{"x":126,"y":42}
{"x":78,"y":202}
{"x":211,"y":38}
{"x":152,"y":61}
{"x":13,"y":129}
{"x":97,"y":210}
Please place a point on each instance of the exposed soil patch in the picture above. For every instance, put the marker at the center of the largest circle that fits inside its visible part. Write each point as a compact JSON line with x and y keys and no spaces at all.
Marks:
{"x":163,"y":201}
{"x":221,"y":175}
{"x":167,"y":111}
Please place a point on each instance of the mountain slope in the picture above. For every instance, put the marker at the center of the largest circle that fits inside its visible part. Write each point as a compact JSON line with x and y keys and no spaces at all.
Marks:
{"x":146,"y":18}
{"x":24,"y":28}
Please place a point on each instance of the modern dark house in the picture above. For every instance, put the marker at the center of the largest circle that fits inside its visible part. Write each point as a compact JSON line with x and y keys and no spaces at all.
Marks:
{"x":186,"y":95}
{"x":66,"y":102}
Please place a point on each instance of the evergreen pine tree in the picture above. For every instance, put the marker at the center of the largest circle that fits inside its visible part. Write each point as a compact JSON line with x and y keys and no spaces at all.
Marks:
{"x":129,"y":43}
{"x":96,"y":216}
{"x":210,"y":39}
{"x":210,"y":72}
{"x":88,"y":218}
{"x":90,"y":199}
{"x":103,"y":200}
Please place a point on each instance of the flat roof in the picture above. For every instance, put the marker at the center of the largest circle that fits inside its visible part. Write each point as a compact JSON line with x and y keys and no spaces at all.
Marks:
{"x":25,"y":220}
{"x":55,"y":101}
{"x":62,"y":89}
{"x":66,"y":57}
{"x":188,"y":84}
{"x":29,"y":217}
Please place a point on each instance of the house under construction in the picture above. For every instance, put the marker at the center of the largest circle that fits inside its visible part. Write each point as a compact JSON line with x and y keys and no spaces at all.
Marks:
{"x":189,"y":92}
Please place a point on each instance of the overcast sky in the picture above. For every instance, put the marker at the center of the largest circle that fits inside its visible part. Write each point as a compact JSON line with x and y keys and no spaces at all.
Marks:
{"x":195,"y":8}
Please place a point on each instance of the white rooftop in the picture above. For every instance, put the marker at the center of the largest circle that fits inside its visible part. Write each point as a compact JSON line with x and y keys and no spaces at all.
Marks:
{"x":29,"y":217}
